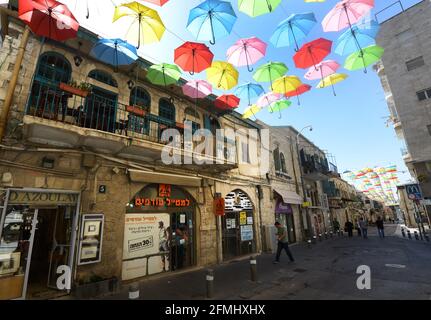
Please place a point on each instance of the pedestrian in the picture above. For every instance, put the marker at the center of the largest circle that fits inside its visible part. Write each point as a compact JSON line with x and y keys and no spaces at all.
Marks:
{"x":363,"y":225}
{"x":380,"y":227}
{"x":358,"y":228}
{"x":348,"y":227}
{"x":282,"y":242}
{"x":336,"y":225}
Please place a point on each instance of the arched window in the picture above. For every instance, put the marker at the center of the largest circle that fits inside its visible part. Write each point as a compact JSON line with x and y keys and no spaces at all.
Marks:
{"x":140,"y":97}
{"x":276,"y":154}
{"x":166,"y":110}
{"x":283,"y":163}
{"x":46,"y":99}
{"x":103,"y":77}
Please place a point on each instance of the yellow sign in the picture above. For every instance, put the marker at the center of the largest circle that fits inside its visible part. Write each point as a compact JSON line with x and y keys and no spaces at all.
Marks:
{"x":306,"y":204}
{"x":243,"y":218}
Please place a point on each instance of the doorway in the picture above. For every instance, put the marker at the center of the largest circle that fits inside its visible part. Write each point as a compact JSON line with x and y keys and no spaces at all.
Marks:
{"x":182,"y":240}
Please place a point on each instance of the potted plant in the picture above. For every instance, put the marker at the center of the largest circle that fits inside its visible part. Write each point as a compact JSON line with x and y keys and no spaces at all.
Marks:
{"x":82,"y":89}
{"x":137,"y":110}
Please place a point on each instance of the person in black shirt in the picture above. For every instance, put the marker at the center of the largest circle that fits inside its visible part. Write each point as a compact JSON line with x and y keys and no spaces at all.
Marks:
{"x":348,"y":226}
{"x":380,"y":227}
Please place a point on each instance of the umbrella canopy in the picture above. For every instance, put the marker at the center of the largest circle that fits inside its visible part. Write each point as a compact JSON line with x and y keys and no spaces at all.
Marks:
{"x":270,"y":71}
{"x":222,"y":75}
{"x":312,"y":53}
{"x":157,"y":2}
{"x":345,"y":13}
{"x":255,"y":8}
{"x":280,"y":105}
{"x":303,"y":88}
{"x":146,"y":26}
{"x":115,"y":52}
{"x":227,"y":102}
{"x":268,"y":98}
{"x":163,"y":74}
{"x":251,"y":111}
{"x":293,"y":29}
{"x":354,"y":39}
{"x":323,"y":69}
{"x":48,"y":18}
{"x":331,"y":80}
{"x":211,"y":20}
{"x":193,"y":57}
{"x":197,"y":89}
{"x":249,"y":91}
{"x":246,"y":52}
{"x":363,"y":58}
{"x":286,"y":84}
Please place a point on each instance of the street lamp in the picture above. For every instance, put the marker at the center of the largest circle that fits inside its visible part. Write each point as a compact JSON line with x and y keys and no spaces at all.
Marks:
{"x":302,"y":181}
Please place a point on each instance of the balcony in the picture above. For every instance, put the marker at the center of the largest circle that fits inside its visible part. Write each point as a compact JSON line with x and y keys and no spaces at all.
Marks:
{"x":59,"y":118}
{"x":314,"y":167}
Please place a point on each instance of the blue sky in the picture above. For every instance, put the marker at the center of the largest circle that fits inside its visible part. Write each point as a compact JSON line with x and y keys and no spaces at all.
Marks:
{"x":351,"y":126}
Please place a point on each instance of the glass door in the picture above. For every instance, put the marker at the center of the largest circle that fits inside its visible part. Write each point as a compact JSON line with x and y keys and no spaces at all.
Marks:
{"x":17,"y":230}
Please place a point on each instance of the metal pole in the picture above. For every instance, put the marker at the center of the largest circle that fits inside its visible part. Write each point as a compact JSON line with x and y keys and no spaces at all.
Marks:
{"x":418,"y":219}
{"x":210,"y":283}
{"x":253,"y":268}
{"x":134,"y":291}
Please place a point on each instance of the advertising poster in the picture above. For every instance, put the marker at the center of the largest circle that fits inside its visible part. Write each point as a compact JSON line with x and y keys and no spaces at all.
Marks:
{"x":90,"y":246}
{"x":145,"y":238}
{"x":242,"y":218}
{"x":246,"y":233}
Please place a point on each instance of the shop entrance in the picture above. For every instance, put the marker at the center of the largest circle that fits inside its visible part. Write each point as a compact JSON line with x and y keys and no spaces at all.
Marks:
{"x":284,"y":215}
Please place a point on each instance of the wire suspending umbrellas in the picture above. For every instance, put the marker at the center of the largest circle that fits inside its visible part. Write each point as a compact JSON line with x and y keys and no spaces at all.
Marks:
{"x":331,"y":80}
{"x":193,"y":57}
{"x":293,"y":29}
{"x":48,"y":18}
{"x":270,"y":71}
{"x":222,"y":75}
{"x":303,"y":88}
{"x":211,"y":20}
{"x":255,"y":8}
{"x":246,"y":52}
{"x":146,"y":25}
{"x":115,"y":52}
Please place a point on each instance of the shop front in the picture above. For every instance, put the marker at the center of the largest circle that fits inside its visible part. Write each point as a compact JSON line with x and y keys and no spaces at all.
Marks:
{"x":37,"y":234}
{"x":238,"y":228}
{"x":284,"y":215}
{"x":159,"y":231}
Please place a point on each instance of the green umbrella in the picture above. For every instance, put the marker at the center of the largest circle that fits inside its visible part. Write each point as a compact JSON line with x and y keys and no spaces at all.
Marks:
{"x":270,"y":71}
{"x":279,"y":106}
{"x":363,"y":58}
{"x":163,"y":74}
{"x":255,"y":8}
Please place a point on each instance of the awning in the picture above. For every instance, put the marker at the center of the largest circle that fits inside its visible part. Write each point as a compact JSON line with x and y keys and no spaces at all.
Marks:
{"x":288,"y":196}
{"x":165,"y":178}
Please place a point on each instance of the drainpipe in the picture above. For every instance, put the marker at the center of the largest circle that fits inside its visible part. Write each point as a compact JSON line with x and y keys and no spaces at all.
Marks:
{"x":13,"y":81}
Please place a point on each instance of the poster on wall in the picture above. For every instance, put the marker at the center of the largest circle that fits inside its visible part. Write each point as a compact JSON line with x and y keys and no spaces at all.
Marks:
{"x":243,"y":218}
{"x":145,"y":246}
{"x":246,"y":233}
{"x":90,"y":245}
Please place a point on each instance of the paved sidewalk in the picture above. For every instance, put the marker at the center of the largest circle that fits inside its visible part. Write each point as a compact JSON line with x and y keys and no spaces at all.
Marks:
{"x":400,"y":270}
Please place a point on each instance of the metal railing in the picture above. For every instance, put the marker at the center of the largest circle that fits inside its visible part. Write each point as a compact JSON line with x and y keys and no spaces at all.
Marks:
{"x":391,"y":12}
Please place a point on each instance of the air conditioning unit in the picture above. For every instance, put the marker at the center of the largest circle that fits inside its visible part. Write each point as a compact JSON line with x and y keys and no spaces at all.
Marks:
{"x":269,"y":239}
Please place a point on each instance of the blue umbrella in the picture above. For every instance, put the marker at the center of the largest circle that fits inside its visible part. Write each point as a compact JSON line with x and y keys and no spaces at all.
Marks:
{"x":360,"y":36}
{"x":249,"y":91}
{"x":211,"y":20}
{"x":294,"y":28}
{"x":115,"y":52}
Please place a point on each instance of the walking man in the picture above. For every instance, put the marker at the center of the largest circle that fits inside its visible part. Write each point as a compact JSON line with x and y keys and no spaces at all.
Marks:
{"x":363,"y":225}
{"x":282,"y":243}
{"x":380,"y":227}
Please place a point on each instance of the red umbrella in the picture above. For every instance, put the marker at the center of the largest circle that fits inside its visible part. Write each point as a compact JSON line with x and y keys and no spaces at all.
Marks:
{"x":312,"y":53}
{"x":48,"y":18}
{"x":303,"y":88}
{"x":193,"y":57}
{"x":227,"y":102}
{"x":157,"y":2}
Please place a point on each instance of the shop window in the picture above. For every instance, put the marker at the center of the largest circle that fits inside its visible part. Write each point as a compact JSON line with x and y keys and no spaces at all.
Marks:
{"x":103,"y":77}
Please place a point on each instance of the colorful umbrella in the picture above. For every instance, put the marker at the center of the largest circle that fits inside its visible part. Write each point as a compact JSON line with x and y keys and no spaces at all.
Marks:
{"x":280,"y":106}
{"x":303,"y":88}
{"x":48,"y":18}
{"x":86,"y":3}
{"x":146,"y":25}
{"x":293,"y":29}
{"x":222,"y":75}
{"x":255,"y":8}
{"x":345,"y":13}
{"x":157,"y":2}
{"x":193,"y":57}
{"x":227,"y":102}
{"x":249,"y":91}
{"x":211,"y":20}
{"x":270,"y":71}
{"x":286,"y":84}
{"x":312,"y":53}
{"x":163,"y":74}
{"x":115,"y":52}
{"x":251,"y":111}
{"x":354,"y":39}
{"x":246,"y":52}
{"x":323,"y":69}
{"x":331,"y":80}
{"x":197,"y":89}
{"x":363,"y":58}
{"x":268,"y":98}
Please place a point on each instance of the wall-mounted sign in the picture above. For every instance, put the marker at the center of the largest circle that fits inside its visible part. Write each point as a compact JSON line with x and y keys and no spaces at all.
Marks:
{"x":413,"y":192}
{"x":237,"y":201}
{"x":219,"y":206}
{"x":243,"y":218}
{"x":90,"y":244}
{"x":165,"y":190}
{"x":306,"y":204}
{"x":43,"y":198}
{"x":246,"y":233}
{"x":159,"y":202}
{"x":102,"y":188}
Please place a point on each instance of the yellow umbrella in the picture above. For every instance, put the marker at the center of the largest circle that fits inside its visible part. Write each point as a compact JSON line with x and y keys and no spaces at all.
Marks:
{"x":251,"y":111}
{"x":331,"y":80}
{"x":222,"y":75}
{"x":146,"y":25}
{"x":286,"y":84}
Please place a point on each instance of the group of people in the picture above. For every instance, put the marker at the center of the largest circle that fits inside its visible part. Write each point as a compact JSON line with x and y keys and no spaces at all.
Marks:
{"x":362,"y":227}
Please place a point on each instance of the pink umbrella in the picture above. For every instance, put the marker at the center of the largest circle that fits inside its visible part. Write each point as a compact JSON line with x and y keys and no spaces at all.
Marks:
{"x":246,"y":52}
{"x":268,"y":98}
{"x":322,"y":70}
{"x":197,"y":89}
{"x":345,"y":13}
